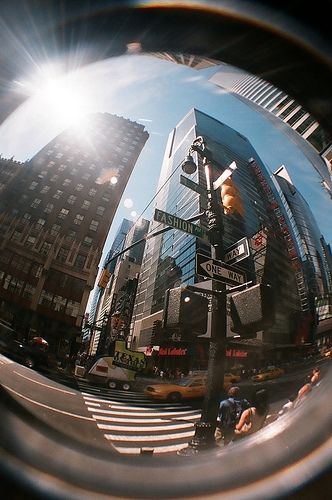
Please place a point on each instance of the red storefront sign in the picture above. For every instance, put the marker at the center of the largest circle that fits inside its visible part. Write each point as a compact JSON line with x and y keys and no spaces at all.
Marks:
{"x":236,"y":353}
{"x":172,"y":351}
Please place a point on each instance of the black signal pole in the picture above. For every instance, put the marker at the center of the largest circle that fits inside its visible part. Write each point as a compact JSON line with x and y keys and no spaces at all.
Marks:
{"x":205,"y":428}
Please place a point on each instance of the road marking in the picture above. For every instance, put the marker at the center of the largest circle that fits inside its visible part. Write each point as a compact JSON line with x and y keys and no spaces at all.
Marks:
{"x":159,"y":437}
{"x":144,"y":420}
{"x":46,"y":385}
{"x":146,"y":428}
{"x":46,"y":406}
{"x":137,"y":406}
{"x":146,"y":413}
{"x":4,"y":360}
{"x":156,"y":449}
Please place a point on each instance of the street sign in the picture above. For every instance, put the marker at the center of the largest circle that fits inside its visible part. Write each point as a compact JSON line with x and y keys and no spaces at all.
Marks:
{"x":182,"y":224}
{"x":192,"y":185}
{"x":219,"y":271}
{"x":238,"y":251}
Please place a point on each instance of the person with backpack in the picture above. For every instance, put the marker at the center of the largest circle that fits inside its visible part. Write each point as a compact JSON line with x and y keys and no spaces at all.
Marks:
{"x":230,"y":411}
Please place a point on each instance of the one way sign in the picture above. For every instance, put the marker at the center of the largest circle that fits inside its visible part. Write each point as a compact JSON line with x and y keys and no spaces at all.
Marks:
{"x":218,"y":270}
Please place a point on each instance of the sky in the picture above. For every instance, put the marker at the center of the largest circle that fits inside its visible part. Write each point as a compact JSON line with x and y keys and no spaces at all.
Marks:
{"x":157,"y":94}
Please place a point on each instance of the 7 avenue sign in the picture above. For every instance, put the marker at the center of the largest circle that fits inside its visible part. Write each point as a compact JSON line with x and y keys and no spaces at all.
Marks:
{"x":219,"y":271}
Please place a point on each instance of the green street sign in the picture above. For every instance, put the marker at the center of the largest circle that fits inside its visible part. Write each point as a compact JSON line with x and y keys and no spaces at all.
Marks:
{"x":192,"y":185}
{"x":181,"y":224}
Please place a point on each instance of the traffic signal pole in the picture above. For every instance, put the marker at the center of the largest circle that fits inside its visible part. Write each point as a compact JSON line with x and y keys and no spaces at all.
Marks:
{"x":205,"y":429}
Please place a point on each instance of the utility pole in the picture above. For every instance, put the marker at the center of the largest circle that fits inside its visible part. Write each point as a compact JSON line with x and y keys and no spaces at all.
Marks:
{"x":205,"y":428}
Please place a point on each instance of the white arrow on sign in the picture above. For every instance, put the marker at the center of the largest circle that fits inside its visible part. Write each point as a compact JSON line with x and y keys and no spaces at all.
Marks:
{"x":226,"y":173}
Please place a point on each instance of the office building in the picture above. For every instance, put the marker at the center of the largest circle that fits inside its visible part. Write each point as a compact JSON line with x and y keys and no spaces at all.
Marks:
{"x":169,"y":259}
{"x":55,"y":216}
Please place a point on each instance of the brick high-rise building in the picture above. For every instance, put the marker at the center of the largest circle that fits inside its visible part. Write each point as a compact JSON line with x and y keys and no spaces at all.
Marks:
{"x":55,"y":214}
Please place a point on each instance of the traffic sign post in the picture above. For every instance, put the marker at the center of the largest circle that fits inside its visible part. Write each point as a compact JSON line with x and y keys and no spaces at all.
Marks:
{"x":181,"y":224}
{"x":219,"y":271}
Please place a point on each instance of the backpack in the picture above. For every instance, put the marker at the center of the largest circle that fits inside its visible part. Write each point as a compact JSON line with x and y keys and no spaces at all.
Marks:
{"x":230,"y":413}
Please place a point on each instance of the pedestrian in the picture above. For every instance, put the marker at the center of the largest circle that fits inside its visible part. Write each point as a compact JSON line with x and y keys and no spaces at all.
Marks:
{"x":312,"y":381}
{"x":254,"y":417}
{"x":229,"y":413}
{"x":287,"y":406}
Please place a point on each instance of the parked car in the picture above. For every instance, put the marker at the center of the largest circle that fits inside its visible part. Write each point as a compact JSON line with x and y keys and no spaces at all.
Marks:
{"x":184,"y":388}
{"x":30,"y":355}
{"x":269,"y":373}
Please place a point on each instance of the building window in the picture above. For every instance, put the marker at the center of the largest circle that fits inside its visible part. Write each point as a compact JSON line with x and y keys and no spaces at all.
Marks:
{"x":63,"y":213}
{"x":59,"y":155}
{"x":86,"y":176}
{"x":94,"y":225}
{"x":100,"y":210}
{"x":71,"y":200}
{"x":49,"y":208}
{"x":59,"y":303}
{"x":58,"y":194}
{"x":45,"y":189}
{"x":28,"y":291}
{"x":71,"y":235}
{"x":5,"y":256}
{"x":45,"y":298}
{"x":35,"y":203}
{"x":16,"y":236}
{"x":13,"y":285}
{"x":45,"y":248}
{"x":86,"y":204}
{"x":78,"y":219}
{"x":62,"y":167}
{"x":62,"y":254}
{"x":40,"y":224}
{"x":26,"y":217}
{"x":33,"y":185}
{"x":80,"y":261}
{"x":87,"y":241}
{"x":72,"y":308}
{"x":74,"y":171}
{"x":79,"y":187}
{"x":36,"y":269}
{"x":55,"y":229}
{"x":92,"y":192}
{"x":30,"y":241}
{"x":54,"y":178}
{"x":66,"y":182}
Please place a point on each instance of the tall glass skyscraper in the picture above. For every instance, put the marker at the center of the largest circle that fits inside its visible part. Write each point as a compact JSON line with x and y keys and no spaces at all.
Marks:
{"x":169,"y":259}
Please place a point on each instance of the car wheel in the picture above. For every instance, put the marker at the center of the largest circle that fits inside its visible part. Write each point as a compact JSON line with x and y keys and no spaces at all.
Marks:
{"x":111,"y":384}
{"x":29,"y":362}
{"x":174,"y":397}
{"x":126,"y":386}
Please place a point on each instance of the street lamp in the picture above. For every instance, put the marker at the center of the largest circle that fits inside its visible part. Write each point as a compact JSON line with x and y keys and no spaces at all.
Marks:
{"x":205,"y":428}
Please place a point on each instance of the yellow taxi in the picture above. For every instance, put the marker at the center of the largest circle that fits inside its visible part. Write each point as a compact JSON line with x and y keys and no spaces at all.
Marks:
{"x":185,"y":388}
{"x":270,"y":373}
{"x":231,"y":378}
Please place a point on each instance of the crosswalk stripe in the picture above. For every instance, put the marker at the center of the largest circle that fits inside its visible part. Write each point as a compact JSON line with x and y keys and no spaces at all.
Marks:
{"x":159,"y":437}
{"x":116,"y":411}
{"x":147,"y":403}
{"x":143,"y":420}
{"x":157,"y":449}
{"x":151,"y":428}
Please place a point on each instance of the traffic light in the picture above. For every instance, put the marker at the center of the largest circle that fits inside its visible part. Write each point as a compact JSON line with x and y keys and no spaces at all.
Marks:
{"x":252,"y":310}
{"x":104,"y":278}
{"x":231,"y":198}
{"x":186,"y":310}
